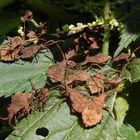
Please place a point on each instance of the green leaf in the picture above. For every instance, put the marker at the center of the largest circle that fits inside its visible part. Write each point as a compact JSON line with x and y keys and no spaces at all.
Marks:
{"x":63,"y":125}
{"x":133,"y":114}
{"x":126,"y":38}
{"x":138,"y":135}
{"x":7,"y":25}
{"x":127,"y":132}
{"x":134,"y":69}
{"x":121,"y":107}
{"x":15,"y":76}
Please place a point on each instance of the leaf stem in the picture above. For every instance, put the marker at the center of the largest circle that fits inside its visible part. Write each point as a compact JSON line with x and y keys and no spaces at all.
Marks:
{"x":105,"y":49}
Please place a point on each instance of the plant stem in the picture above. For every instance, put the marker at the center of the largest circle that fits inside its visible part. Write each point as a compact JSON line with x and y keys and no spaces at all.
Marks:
{"x":106,"y":28}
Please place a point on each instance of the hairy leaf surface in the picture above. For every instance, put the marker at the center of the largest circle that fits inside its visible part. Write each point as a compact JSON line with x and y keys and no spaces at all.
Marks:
{"x":15,"y":76}
{"x":125,"y":39}
{"x":63,"y":125}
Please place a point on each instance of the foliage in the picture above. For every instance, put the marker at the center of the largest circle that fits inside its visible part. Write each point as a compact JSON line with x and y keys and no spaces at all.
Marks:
{"x":126,"y":39}
{"x":72,"y":83}
{"x":133,"y":68}
{"x":17,"y":75}
{"x":62,"y":125}
{"x":7,"y":25}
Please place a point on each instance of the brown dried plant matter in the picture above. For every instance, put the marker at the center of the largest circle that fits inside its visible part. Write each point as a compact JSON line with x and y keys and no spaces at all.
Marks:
{"x":121,"y":57}
{"x":20,"y":106}
{"x":57,"y":72}
{"x":91,"y":111}
{"x":11,"y":51}
{"x":99,"y":59}
{"x":78,"y":101}
{"x":40,"y":98}
{"x":28,"y":52}
{"x":125,"y":56}
{"x":19,"y":48}
{"x":96,"y":84}
{"x":80,"y":75}
{"x":32,"y":50}
{"x":92,"y":114}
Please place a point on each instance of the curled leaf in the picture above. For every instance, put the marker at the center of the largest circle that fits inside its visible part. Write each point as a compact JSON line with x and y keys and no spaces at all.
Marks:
{"x":78,"y":101}
{"x":28,"y":52}
{"x":96,"y":84}
{"x":7,"y":53}
{"x":121,"y":57}
{"x":16,"y":41}
{"x":96,"y":59}
{"x":19,"y":107}
{"x":10,"y":52}
{"x":92,"y":113}
{"x":78,"y":76}
{"x":57,"y":72}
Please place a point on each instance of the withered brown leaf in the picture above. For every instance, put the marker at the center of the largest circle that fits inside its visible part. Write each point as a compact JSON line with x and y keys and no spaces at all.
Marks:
{"x":77,"y":76}
{"x":7,"y":53}
{"x":16,"y":41}
{"x":10,"y":52}
{"x":96,"y":84}
{"x":78,"y":101}
{"x":57,"y":72}
{"x":121,"y":57}
{"x":28,"y":52}
{"x":19,"y":107}
{"x":96,"y":59}
{"x":92,"y":113}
